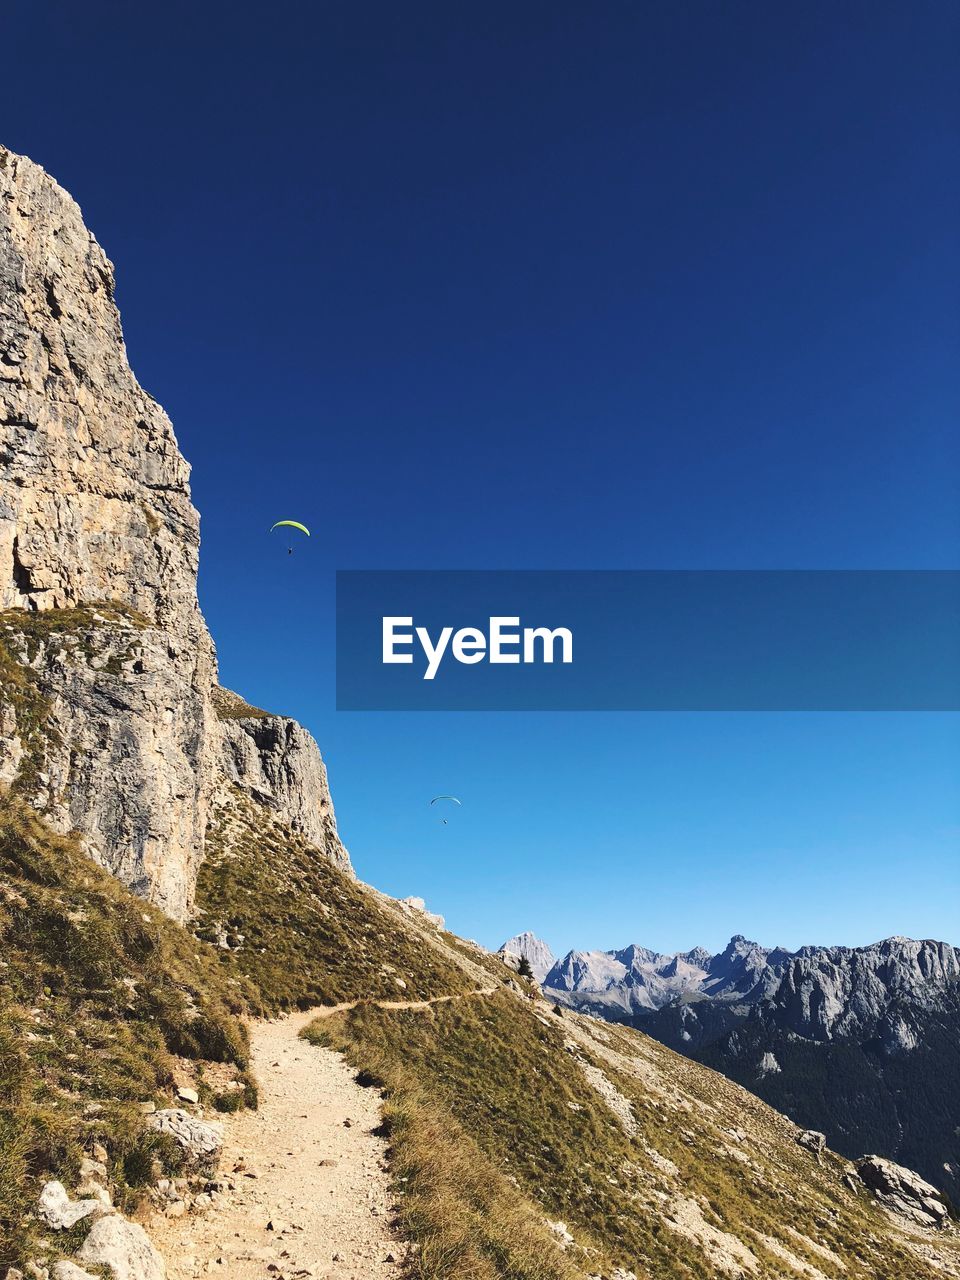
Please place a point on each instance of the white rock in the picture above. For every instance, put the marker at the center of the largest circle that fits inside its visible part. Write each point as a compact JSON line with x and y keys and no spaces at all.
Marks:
{"x":57,"y":1210}
{"x":201,"y":1140}
{"x":419,"y":907}
{"x":902,"y":1191}
{"x":529,"y":947}
{"x":124,"y":1248}
{"x":561,"y":1231}
{"x":70,"y":1271}
{"x":186,"y":1094}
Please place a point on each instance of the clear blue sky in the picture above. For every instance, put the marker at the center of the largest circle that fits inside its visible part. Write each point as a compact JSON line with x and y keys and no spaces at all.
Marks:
{"x":549,"y":285}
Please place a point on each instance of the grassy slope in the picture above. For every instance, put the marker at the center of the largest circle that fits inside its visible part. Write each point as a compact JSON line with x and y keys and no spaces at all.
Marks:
{"x":98,"y":992}
{"x":493,"y":1101}
{"x":301,"y":930}
{"x":699,"y":1161}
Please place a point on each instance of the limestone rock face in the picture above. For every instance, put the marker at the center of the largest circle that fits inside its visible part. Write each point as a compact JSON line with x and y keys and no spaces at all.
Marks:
{"x":109,"y":721}
{"x":277,"y":762}
{"x":122,"y":752}
{"x":98,"y":502}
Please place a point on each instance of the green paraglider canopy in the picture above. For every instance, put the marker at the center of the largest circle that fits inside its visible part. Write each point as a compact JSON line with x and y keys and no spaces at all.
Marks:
{"x":290,"y":524}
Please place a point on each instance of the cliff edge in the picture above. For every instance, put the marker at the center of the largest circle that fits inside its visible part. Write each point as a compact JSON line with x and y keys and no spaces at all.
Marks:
{"x":111,"y":721}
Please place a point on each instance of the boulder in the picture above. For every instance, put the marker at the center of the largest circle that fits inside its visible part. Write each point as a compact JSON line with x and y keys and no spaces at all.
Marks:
{"x":70,"y":1271}
{"x":201,"y":1140}
{"x":562,"y":1233}
{"x":124,"y":1248}
{"x":812,"y":1141}
{"x":58,"y":1211}
{"x":902,"y":1191}
{"x":93,"y":1170}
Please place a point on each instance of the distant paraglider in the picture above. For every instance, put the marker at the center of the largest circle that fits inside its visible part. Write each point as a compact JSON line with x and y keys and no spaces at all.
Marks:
{"x":452,"y":799}
{"x":290,"y":524}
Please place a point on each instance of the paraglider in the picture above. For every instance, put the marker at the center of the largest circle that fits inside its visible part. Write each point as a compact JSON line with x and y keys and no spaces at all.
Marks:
{"x":452,"y":799}
{"x":290,"y":524}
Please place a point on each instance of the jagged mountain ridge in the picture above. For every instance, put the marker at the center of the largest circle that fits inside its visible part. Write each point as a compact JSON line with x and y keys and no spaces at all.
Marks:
{"x":635,"y":980}
{"x":820,"y":992}
{"x":112,"y":722}
{"x":859,"y":1042}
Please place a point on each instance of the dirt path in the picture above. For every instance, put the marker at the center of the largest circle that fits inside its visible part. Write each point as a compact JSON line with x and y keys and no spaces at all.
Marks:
{"x":328,"y":1010}
{"x":321,"y":1176}
{"x":308,"y":1160}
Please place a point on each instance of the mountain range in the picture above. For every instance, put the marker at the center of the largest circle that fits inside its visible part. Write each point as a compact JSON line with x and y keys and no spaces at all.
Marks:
{"x":862,"y":1043}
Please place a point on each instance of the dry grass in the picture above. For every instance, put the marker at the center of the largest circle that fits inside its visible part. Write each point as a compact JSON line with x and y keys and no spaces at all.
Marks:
{"x":469,"y":1221}
{"x":496,"y":1084}
{"x":98,"y":991}
{"x":298,"y":928}
{"x":230,"y":706}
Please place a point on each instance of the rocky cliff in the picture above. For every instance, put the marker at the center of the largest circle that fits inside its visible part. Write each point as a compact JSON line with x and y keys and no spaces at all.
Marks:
{"x":111,"y":723}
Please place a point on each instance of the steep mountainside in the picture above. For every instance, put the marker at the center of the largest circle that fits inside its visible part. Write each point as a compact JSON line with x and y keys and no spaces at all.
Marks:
{"x":860,"y":1042}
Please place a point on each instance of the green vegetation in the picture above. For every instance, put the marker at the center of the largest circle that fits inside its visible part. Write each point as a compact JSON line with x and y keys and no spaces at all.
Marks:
{"x":98,"y":992}
{"x":303,"y":932}
{"x":230,"y":706}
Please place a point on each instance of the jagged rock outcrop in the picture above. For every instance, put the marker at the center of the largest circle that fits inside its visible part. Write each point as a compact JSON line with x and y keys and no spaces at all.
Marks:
{"x":812,"y":1141}
{"x":277,"y":762}
{"x":108,"y":717}
{"x":629,"y":982}
{"x":418,"y":907}
{"x":818,"y":992}
{"x":902,"y":1191}
{"x":825,"y":992}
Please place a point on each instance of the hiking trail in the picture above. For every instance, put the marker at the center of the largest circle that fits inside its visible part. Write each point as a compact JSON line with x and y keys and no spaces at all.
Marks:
{"x":309,"y":1160}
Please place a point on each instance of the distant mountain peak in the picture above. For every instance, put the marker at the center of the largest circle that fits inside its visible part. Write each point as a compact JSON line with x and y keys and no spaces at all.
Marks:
{"x":529,"y":947}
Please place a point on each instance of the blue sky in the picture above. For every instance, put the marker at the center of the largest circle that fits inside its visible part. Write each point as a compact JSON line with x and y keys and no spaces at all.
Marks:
{"x":549,"y":286}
